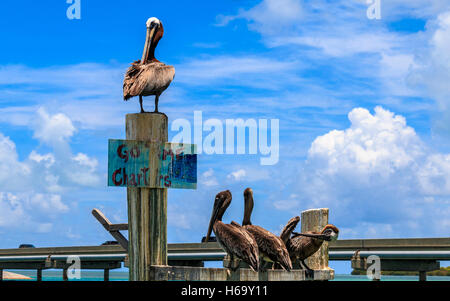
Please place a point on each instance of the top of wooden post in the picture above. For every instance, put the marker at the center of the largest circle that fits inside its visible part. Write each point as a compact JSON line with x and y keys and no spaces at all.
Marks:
{"x":151,"y":127}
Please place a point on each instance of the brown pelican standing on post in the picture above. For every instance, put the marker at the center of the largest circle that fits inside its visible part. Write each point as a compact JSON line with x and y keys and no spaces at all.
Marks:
{"x":148,"y":76}
{"x":271,"y":247}
{"x":302,"y":245}
{"x":233,"y":238}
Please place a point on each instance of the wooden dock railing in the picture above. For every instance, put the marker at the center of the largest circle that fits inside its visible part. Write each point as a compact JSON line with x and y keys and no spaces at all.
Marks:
{"x":112,"y":256}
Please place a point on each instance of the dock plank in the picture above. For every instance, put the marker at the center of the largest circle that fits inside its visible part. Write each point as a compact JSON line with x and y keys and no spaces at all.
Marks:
{"x":173,"y":273}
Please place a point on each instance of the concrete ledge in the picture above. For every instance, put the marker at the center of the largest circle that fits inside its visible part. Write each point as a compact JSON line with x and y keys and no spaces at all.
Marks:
{"x":167,"y":273}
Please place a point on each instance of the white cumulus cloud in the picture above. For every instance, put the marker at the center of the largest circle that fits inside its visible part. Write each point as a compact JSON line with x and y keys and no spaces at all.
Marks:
{"x":208,"y":179}
{"x":34,"y":191}
{"x":380,"y":143}
{"x":237,"y":175}
{"x":377,"y":176}
{"x":53,"y":128}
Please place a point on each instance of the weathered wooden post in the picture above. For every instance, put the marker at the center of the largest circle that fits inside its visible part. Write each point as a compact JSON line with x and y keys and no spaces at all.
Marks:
{"x":147,"y":207}
{"x":39,"y":275}
{"x":422,"y":276}
{"x":315,"y":220}
{"x":106,"y":275}
{"x":148,"y":165}
{"x":65,"y":276}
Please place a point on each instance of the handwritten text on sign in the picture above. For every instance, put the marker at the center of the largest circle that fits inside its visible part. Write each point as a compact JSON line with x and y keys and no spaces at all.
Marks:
{"x":154,"y":165}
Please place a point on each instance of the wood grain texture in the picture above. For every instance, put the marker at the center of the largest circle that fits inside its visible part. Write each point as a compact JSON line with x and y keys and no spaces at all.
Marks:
{"x":315,"y":220}
{"x":147,"y":207}
{"x":166,"y":273}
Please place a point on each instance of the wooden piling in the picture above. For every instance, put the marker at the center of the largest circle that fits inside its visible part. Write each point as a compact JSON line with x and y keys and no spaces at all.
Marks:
{"x":39,"y":275}
{"x":422,"y":276}
{"x":65,"y":277}
{"x":147,"y":207}
{"x":315,"y":220}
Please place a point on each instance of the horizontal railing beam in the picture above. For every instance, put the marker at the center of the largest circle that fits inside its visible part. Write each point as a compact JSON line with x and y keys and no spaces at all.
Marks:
{"x":392,"y":244}
{"x":339,"y":250}
{"x":219,"y":255}
{"x":79,"y":250}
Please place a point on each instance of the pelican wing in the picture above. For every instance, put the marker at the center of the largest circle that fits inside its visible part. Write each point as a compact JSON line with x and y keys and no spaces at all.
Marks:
{"x":271,"y":246}
{"x":289,"y":228}
{"x":302,"y":247}
{"x":147,"y":79}
{"x":134,"y":83}
{"x":238,"y":242}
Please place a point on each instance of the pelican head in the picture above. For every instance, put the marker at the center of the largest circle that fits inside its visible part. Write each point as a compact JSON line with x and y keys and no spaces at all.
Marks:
{"x":155,"y":32}
{"x":221,"y":203}
{"x":331,"y":232}
{"x":153,"y":21}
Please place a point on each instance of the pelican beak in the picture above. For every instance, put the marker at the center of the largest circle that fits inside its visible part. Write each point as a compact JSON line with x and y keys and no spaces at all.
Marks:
{"x":217,"y":204}
{"x":316,"y":236}
{"x":149,"y":41}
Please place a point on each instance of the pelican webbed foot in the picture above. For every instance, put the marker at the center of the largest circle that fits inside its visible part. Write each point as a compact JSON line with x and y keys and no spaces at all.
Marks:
{"x":235,"y":264}
{"x":229,"y":262}
{"x":309,"y":274}
{"x":308,"y":271}
{"x":263,"y":265}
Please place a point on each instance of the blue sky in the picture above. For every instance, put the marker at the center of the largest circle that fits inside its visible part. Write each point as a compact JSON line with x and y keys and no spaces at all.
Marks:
{"x":363,"y":105}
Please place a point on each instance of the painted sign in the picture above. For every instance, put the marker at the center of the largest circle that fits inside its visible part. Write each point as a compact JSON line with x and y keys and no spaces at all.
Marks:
{"x":134,"y":163}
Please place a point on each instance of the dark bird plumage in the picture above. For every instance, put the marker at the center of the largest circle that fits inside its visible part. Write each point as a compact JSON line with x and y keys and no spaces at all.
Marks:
{"x":302,"y":245}
{"x":233,"y":238}
{"x":271,"y":247}
{"x":148,"y":76}
{"x":289,"y":228}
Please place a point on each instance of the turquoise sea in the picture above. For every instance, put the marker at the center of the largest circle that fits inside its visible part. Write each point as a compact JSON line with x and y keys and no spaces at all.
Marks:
{"x":56,"y":275}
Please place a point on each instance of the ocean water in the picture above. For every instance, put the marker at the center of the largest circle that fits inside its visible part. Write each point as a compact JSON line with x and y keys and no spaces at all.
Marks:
{"x":56,"y":275}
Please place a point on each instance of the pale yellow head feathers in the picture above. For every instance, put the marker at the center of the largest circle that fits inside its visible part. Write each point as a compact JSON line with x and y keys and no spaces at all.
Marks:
{"x":152,"y":20}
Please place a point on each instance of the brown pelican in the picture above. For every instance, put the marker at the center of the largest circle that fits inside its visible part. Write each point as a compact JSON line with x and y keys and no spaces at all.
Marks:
{"x":303,"y":245}
{"x":233,"y":238}
{"x":271,"y":247}
{"x":148,"y":76}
